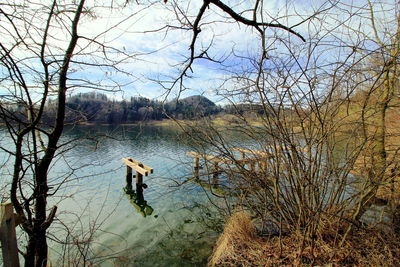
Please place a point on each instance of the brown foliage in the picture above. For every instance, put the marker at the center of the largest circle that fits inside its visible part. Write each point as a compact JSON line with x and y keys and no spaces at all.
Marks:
{"x":240,"y":246}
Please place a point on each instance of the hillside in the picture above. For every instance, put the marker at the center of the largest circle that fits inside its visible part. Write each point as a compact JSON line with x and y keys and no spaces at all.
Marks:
{"x":98,"y":108}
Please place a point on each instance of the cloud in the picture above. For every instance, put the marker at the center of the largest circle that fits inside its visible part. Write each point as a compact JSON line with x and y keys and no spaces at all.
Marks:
{"x":143,"y":48}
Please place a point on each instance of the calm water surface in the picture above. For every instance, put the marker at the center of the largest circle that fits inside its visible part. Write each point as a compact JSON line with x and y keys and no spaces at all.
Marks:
{"x":181,"y":223}
{"x":177,"y":224}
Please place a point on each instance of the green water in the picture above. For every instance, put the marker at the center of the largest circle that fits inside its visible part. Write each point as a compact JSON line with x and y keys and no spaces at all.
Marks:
{"x":176,"y":222}
{"x":98,"y":219}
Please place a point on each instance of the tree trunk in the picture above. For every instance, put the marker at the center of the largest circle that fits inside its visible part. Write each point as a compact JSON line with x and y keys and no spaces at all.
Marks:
{"x":40,"y":218}
{"x":41,"y":249}
{"x":30,"y":251}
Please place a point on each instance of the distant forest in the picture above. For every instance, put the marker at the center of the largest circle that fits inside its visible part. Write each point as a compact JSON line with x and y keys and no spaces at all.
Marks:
{"x":98,"y":108}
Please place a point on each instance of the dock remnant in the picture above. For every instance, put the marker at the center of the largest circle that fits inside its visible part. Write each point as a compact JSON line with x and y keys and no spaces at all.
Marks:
{"x":141,"y":170}
{"x":136,"y":197}
{"x":138,"y":202}
{"x":251,"y":158}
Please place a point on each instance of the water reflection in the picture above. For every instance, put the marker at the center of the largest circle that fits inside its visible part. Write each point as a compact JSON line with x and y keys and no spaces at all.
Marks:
{"x":137,"y":200}
{"x":163,"y":229}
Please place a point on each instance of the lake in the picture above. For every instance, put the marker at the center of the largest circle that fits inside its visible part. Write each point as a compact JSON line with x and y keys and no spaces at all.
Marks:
{"x":178,"y":223}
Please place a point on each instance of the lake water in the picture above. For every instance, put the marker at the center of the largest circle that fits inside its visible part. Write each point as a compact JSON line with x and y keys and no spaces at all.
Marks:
{"x":181,"y":222}
{"x":177,"y":222}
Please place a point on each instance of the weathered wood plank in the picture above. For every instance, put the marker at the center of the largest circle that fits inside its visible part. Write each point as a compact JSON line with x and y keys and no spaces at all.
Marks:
{"x":136,"y":167}
{"x":285,"y":148}
{"x":218,"y":159}
{"x":210,"y":157}
{"x":8,"y":236}
{"x":149,"y":169}
{"x":253,"y":152}
{"x":139,"y":178}
{"x":201,"y":156}
{"x":250,"y":160}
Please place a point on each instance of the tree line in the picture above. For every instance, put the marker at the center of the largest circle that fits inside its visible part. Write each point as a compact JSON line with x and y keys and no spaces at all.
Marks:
{"x":95,"y":107}
{"x":311,"y":67}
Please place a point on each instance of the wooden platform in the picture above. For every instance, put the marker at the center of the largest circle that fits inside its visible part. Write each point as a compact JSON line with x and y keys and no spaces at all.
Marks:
{"x":254,"y":159}
{"x":138,"y":166}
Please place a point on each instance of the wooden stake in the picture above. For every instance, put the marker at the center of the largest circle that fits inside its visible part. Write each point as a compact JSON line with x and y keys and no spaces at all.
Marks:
{"x":129,"y":176}
{"x":8,"y":236}
{"x":144,"y":170}
{"x":139,"y":176}
{"x":196,"y":168}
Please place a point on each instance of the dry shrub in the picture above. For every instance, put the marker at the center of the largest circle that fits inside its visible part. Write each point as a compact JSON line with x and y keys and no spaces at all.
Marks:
{"x":390,"y":190}
{"x":237,"y":243}
{"x":239,"y":246}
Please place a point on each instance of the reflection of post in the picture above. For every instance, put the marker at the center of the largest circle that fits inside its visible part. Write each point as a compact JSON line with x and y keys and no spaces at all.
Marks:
{"x":8,"y":236}
{"x":138,"y":201}
{"x":140,"y":197}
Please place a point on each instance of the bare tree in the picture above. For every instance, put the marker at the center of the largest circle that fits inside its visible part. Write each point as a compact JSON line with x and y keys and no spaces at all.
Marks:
{"x":309,"y":139}
{"x":300,"y":77}
{"x":41,"y":52}
{"x":377,"y":164}
{"x":250,"y":15}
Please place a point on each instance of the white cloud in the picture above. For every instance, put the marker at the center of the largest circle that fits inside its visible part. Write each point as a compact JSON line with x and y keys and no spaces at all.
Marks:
{"x":132,"y":29}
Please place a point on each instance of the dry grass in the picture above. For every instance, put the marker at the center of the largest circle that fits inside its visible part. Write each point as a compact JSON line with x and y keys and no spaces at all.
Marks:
{"x":390,"y":190}
{"x":239,"y":236}
{"x":221,"y":120}
{"x":239,"y":246}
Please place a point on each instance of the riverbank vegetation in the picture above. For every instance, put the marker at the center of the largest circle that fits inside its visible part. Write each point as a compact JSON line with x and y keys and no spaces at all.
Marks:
{"x":331,"y":146}
{"x":240,"y":245}
{"x":97,"y":108}
{"x":316,"y":93}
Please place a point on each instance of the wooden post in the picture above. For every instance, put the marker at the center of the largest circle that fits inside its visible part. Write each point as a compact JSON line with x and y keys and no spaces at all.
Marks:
{"x":139,"y":177}
{"x":196,"y":168}
{"x":8,"y":236}
{"x":196,"y":163}
{"x":139,"y":182}
{"x":128,"y":176}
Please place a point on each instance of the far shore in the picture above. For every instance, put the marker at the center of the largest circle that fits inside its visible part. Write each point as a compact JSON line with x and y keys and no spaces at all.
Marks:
{"x":226,"y":120}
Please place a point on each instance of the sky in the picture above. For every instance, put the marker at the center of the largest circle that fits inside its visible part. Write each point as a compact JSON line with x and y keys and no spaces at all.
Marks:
{"x":166,"y":51}
{"x":136,"y":38}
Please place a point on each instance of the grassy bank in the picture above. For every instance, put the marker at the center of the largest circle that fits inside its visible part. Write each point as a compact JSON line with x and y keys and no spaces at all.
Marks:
{"x":239,"y":245}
